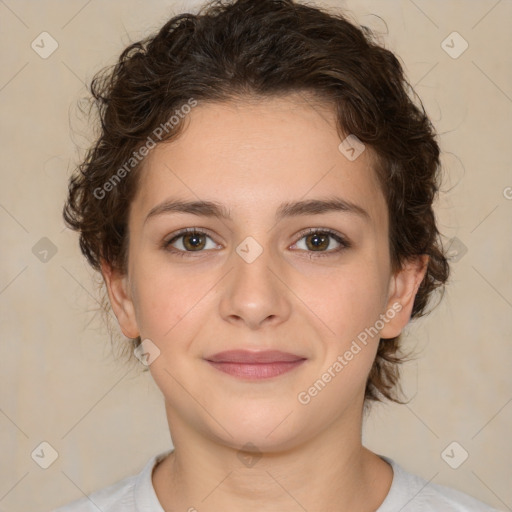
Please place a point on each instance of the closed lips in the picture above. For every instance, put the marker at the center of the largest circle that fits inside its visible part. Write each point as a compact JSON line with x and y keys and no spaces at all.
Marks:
{"x":247,"y":357}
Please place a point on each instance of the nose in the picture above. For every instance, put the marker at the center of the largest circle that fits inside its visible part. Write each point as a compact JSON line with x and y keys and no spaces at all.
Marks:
{"x":253,"y":295}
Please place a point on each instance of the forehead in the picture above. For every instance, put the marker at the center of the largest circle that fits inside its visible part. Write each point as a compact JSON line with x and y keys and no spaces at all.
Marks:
{"x":256,"y":153}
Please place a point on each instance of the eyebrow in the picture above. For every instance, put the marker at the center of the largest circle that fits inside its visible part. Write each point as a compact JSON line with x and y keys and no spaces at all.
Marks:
{"x":290,"y":209}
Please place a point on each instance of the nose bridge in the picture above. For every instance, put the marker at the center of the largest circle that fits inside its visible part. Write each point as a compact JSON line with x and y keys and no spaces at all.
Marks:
{"x":252,"y":265}
{"x":254,"y":294}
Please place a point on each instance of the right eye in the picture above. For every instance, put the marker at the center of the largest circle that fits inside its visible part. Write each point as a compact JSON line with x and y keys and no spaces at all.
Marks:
{"x":188,"y":240}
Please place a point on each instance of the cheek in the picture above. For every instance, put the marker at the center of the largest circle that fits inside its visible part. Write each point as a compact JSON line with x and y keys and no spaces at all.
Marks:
{"x":349,"y":304}
{"x":347,"y":300}
{"x":166,"y":299}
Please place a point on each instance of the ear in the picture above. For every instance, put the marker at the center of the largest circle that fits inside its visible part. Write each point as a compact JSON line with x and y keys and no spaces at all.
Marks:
{"x":120,"y":299}
{"x":403,"y":288}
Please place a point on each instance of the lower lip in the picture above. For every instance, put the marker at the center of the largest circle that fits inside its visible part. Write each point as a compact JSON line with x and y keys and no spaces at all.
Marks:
{"x":256,"y":371}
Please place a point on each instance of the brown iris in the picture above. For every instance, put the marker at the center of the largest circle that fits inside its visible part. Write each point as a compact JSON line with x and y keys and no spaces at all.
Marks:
{"x":318,"y":240}
{"x":194,"y":241}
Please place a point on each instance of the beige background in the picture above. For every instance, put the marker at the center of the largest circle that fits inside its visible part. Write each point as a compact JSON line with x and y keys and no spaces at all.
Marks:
{"x":59,"y":381}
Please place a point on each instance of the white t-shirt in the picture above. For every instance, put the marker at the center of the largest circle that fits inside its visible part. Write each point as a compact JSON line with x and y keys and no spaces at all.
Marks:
{"x":408,"y":493}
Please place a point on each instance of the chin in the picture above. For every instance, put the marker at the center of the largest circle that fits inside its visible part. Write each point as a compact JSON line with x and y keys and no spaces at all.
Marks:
{"x":260,"y":429}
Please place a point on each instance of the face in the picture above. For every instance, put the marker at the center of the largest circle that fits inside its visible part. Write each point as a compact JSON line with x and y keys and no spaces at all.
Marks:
{"x":286,"y":250}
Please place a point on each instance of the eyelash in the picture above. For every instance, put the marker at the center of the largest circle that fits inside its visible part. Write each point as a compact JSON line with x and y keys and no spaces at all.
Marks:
{"x":344,"y":243}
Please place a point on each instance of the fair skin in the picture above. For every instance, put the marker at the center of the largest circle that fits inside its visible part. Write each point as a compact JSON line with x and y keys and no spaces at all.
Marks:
{"x":252,"y":157}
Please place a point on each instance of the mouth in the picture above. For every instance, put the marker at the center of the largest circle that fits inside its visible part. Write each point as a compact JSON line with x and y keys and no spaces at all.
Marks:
{"x":248,"y":365}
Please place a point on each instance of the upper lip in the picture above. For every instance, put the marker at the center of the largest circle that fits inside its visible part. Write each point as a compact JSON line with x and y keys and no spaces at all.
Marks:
{"x":248,"y":357}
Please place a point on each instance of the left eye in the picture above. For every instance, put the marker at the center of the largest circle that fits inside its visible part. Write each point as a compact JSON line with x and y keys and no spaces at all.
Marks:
{"x":321,"y":241}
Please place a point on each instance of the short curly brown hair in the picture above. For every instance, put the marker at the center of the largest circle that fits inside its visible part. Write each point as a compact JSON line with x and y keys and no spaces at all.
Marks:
{"x":230,"y":50}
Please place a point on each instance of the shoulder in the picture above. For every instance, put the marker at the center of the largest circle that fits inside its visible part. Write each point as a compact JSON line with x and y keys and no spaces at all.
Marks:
{"x":412,"y":493}
{"x":116,"y":497}
{"x":132,"y":494}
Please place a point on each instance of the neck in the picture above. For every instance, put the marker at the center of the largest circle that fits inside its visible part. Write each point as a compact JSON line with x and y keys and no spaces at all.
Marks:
{"x":331,"y":472}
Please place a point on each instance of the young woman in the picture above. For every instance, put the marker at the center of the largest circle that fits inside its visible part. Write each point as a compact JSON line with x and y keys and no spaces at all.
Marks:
{"x":259,"y":203}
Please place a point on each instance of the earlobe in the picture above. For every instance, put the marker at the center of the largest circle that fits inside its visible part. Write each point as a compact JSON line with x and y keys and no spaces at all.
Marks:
{"x":404,"y":286}
{"x":120,"y":299}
